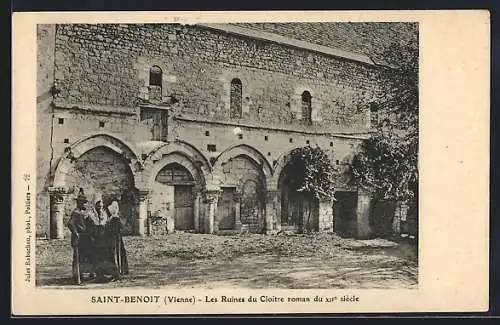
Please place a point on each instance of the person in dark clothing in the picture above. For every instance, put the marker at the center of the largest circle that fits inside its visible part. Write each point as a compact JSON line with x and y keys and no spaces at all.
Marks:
{"x":80,"y":226}
{"x":98,"y":217}
{"x":114,"y":229}
{"x":111,"y":256}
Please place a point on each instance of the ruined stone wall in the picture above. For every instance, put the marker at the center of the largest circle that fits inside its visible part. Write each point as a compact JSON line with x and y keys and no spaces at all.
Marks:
{"x":102,"y":171}
{"x":271,"y":143}
{"x":100,"y":75}
{"x":109,"y":65}
{"x":45,"y":79}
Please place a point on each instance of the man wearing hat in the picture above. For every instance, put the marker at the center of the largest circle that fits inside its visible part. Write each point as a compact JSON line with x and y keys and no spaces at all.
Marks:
{"x":80,"y":240}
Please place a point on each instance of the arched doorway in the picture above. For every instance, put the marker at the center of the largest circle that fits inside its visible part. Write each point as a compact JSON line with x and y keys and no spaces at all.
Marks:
{"x":173,"y":197}
{"x":298,"y":210}
{"x":243,"y":173}
{"x":242,"y":198}
{"x":103,"y":171}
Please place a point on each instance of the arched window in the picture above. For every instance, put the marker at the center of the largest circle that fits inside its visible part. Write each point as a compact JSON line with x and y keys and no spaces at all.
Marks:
{"x":155,"y":83}
{"x":235,"y":98}
{"x":306,"y":107}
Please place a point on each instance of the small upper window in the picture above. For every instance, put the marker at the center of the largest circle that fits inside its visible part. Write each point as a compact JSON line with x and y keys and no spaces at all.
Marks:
{"x":236,"y":98}
{"x":155,"y":75}
{"x":155,"y":83}
{"x":306,"y":107}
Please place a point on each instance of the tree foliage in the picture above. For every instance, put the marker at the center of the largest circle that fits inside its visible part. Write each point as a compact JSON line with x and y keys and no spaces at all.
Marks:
{"x":387,"y":164}
{"x":312,"y":172}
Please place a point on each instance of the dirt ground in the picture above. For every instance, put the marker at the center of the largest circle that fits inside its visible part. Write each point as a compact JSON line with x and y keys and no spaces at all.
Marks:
{"x":184,"y":260}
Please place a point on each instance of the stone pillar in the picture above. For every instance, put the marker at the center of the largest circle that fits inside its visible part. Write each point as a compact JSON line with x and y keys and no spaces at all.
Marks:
{"x":363,"y":215}
{"x":57,"y":198}
{"x":271,"y":210}
{"x":396,"y":220}
{"x":277,"y":221}
{"x":237,"y":209}
{"x":211,"y":199}
{"x":325,"y":222}
{"x":197,"y":199}
{"x":143,"y":213}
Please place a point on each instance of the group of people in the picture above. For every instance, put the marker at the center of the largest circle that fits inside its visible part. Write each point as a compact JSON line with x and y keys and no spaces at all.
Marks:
{"x":96,"y":238}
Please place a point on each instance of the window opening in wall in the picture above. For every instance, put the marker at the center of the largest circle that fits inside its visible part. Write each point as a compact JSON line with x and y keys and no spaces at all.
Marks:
{"x":307,"y":141}
{"x":374,"y":116}
{"x":155,"y":83}
{"x":235,"y":98}
{"x":331,"y":144}
{"x":61,"y":121}
{"x":268,"y":153}
{"x":207,"y":133}
{"x":158,"y":121}
{"x":66,"y":140}
{"x":211,"y":147}
{"x":240,"y":136}
{"x":101,"y":124}
{"x":306,"y":107}
{"x":337,"y":162}
{"x":266,"y":138}
{"x":290,"y":140}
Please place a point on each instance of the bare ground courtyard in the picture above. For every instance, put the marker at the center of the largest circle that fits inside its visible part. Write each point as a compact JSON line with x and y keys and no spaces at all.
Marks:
{"x":184,"y":260}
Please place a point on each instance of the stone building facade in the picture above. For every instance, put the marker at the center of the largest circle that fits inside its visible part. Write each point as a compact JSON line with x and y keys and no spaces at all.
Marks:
{"x":189,"y":127}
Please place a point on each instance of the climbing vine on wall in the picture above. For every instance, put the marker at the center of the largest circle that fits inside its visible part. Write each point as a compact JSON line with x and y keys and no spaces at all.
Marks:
{"x":387,"y":165}
{"x":313,"y":172}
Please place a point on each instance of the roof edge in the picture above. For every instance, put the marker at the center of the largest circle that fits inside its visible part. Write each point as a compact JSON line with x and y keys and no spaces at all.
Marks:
{"x":291,"y":42}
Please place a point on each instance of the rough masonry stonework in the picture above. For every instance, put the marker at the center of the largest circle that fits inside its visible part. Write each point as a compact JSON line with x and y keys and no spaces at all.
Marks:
{"x":107,"y":125}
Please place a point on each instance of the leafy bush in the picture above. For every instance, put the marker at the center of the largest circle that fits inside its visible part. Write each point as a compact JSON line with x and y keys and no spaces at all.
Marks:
{"x":313,"y":173}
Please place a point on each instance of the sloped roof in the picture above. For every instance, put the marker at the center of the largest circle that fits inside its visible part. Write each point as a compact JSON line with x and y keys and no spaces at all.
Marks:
{"x":367,"y":38}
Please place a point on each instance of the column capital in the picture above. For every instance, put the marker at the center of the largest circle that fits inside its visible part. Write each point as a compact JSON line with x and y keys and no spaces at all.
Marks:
{"x":212,"y":195}
{"x":58,"y":190}
{"x":273,"y":193}
{"x":327,"y":199}
{"x":142,"y":194}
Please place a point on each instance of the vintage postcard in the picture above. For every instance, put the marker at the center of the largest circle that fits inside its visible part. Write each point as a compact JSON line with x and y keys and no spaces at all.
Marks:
{"x":250,"y":162}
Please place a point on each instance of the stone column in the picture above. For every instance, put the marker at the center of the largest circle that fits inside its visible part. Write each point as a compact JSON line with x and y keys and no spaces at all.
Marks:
{"x":277,"y":221}
{"x":271,"y":210}
{"x":363,"y":215}
{"x":57,"y":198}
{"x":211,"y":199}
{"x":143,"y":213}
{"x":325,"y":222}
{"x":237,"y":210}
{"x":197,"y":199}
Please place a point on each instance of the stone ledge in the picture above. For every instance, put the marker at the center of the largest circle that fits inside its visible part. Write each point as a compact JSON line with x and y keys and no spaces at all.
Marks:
{"x":96,"y":109}
{"x":294,"y":129}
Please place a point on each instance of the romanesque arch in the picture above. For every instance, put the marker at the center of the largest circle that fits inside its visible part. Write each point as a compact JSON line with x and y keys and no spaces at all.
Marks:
{"x":101,"y":164}
{"x":296,"y":211}
{"x":102,"y":139}
{"x":242,"y":150}
{"x":242,"y":172}
{"x":278,"y":166}
{"x":175,"y":152}
{"x":174,"y":177}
